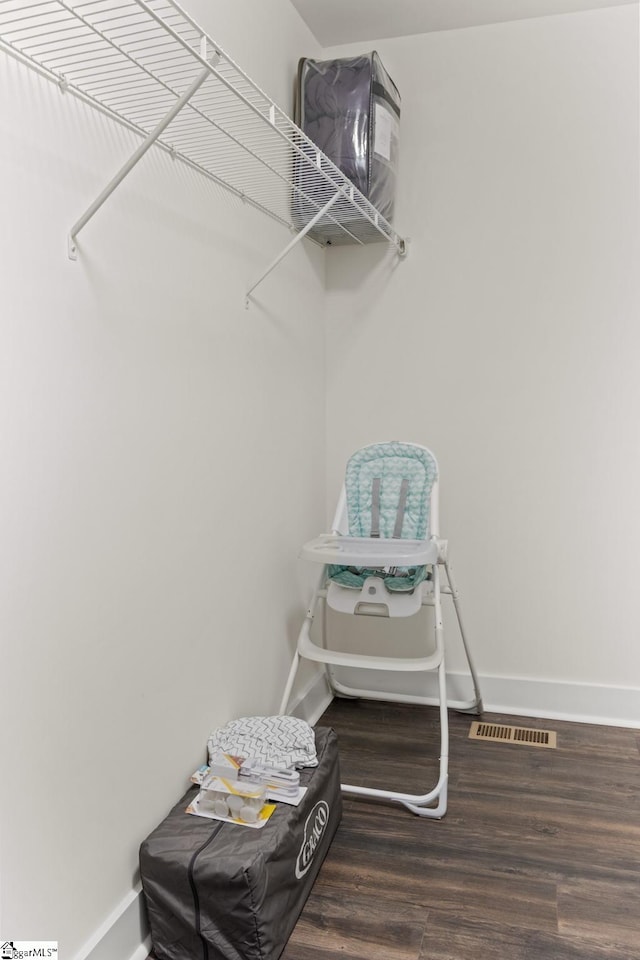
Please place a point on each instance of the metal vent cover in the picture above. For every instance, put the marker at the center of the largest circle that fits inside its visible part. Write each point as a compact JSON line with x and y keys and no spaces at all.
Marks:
{"x":505,"y":733}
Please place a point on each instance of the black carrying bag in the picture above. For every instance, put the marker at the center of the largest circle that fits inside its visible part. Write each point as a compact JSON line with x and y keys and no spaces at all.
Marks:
{"x":221,"y":891}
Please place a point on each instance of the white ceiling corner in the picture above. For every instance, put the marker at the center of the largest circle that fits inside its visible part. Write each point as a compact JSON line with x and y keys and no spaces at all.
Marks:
{"x":334,"y":22}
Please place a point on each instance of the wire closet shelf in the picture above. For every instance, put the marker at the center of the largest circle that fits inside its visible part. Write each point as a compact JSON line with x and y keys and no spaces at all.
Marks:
{"x":147,"y":64}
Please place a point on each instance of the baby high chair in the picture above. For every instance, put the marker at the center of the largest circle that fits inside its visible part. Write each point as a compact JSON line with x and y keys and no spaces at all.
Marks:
{"x":383,"y":558}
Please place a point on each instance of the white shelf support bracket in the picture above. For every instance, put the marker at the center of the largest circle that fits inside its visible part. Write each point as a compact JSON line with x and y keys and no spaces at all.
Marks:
{"x":298,"y":237}
{"x":132,"y":161}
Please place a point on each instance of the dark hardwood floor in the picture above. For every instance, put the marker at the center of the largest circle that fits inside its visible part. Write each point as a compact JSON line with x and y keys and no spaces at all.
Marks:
{"x":538,"y":857}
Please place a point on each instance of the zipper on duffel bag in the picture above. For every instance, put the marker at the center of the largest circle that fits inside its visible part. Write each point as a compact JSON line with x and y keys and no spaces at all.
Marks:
{"x":194,"y":889}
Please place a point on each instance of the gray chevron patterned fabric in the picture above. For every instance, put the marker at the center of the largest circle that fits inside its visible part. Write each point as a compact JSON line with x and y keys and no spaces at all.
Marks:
{"x":279,"y":741}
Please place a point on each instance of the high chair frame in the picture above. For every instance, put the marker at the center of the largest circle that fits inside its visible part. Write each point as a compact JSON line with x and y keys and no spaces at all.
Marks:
{"x":374,"y":599}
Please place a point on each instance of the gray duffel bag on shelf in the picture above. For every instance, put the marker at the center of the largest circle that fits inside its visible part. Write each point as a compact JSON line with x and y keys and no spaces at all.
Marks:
{"x":221,"y":891}
{"x":350,"y":108}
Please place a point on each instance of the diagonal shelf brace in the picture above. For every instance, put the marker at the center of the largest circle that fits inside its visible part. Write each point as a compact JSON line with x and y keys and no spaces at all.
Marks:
{"x":298,"y":237}
{"x":132,"y":161}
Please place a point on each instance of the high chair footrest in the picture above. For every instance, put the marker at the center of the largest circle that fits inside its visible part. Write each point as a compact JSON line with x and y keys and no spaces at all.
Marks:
{"x":338,"y":658}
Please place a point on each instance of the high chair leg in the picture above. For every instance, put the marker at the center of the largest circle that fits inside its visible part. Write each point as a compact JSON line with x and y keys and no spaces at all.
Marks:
{"x":423,"y":804}
{"x":455,"y":596}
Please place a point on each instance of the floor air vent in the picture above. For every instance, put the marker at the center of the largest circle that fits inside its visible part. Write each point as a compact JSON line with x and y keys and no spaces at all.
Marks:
{"x":502,"y":733}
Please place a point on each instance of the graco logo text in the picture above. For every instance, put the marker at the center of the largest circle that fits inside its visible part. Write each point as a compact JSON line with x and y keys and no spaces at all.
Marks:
{"x":315,"y":825}
{"x":21,"y":949}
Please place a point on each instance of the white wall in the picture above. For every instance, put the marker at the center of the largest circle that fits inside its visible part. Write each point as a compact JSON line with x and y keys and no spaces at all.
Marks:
{"x":508,"y":339}
{"x":151,"y":427}
{"x":162,"y":461}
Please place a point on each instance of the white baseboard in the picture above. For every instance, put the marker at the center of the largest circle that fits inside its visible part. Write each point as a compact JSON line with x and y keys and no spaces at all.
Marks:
{"x":524,"y":697}
{"x":563,"y":700}
{"x":124,"y":935}
{"x":518,"y":696}
{"x":313,"y":700}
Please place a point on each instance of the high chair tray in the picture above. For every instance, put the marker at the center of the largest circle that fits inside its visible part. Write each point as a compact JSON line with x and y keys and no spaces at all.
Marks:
{"x":369,"y":551}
